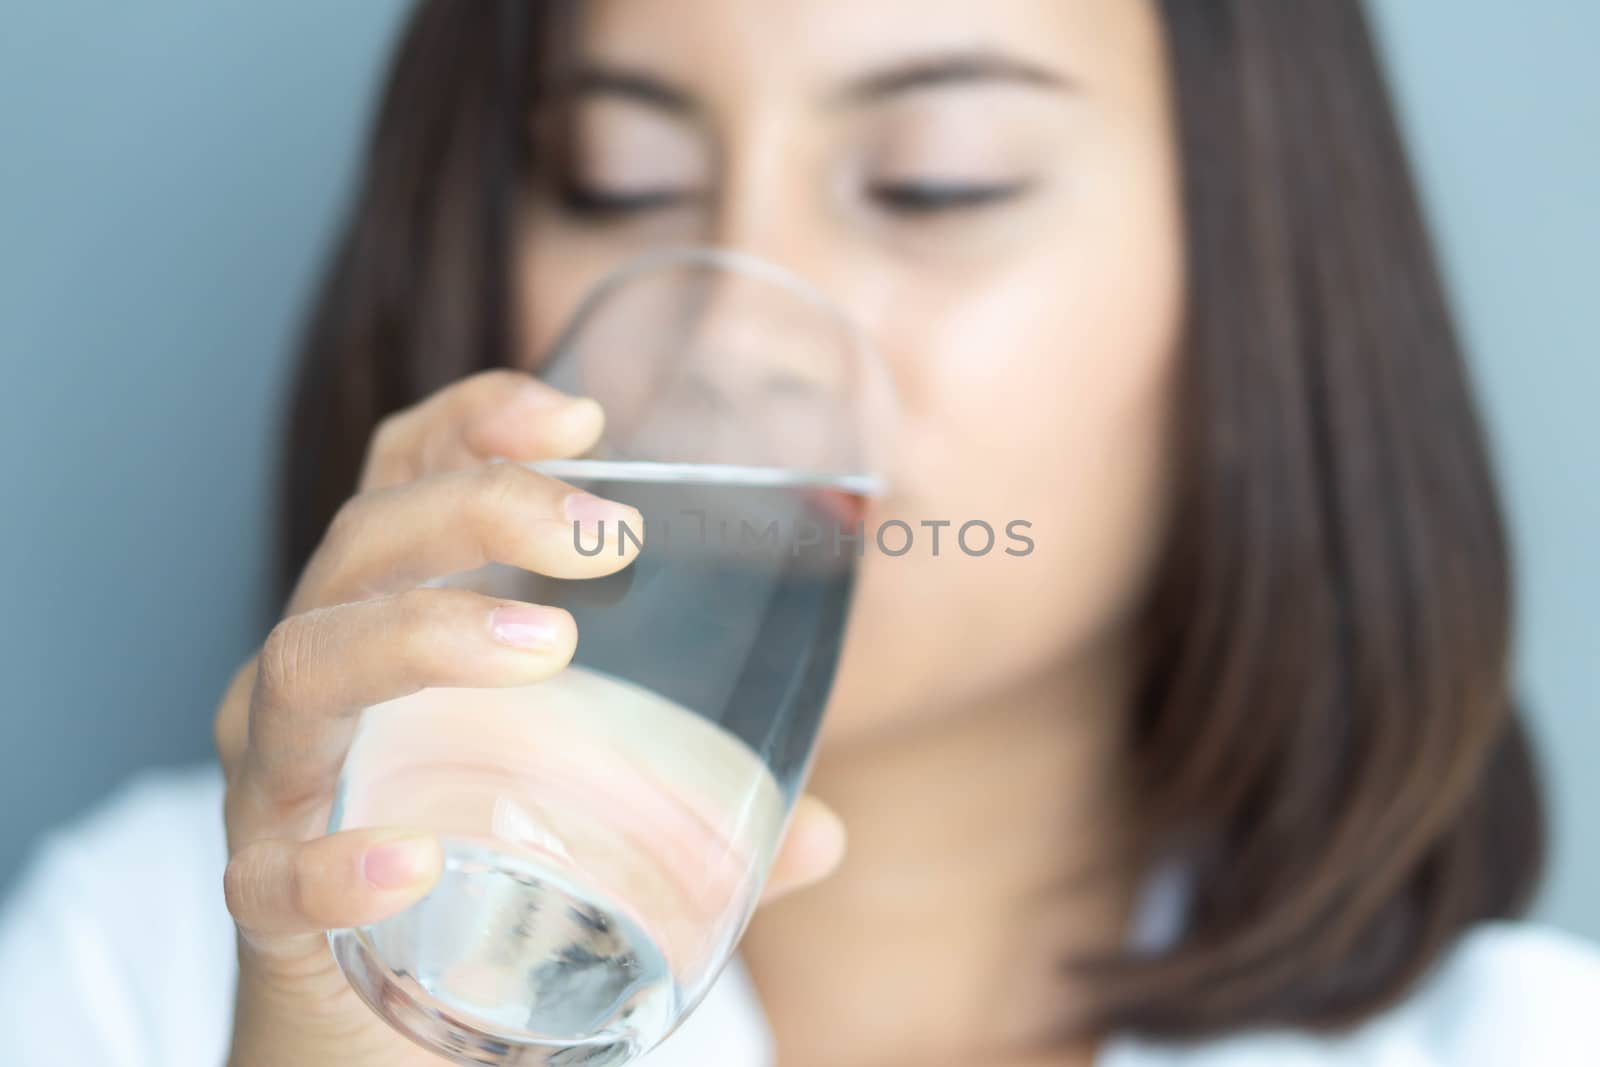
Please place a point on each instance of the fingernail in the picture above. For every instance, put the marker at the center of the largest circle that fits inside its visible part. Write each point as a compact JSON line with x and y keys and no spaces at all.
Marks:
{"x":398,"y":864}
{"x":534,"y":400}
{"x":536,"y":396}
{"x":527,"y":626}
{"x":589,"y":511}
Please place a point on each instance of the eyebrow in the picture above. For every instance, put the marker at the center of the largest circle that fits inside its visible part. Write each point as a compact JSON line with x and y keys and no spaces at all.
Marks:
{"x":929,"y":72}
{"x":951,"y":69}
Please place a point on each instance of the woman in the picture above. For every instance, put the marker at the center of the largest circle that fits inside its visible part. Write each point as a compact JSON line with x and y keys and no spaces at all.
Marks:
{"x":1226,"y":772}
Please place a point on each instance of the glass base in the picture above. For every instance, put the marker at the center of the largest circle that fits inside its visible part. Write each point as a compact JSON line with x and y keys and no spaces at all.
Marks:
{"x":407,"y":1007}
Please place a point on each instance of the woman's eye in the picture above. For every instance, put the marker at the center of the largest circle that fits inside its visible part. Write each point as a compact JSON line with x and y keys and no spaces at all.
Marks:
{"x":591,"y":202}
{"x":932,"y":198}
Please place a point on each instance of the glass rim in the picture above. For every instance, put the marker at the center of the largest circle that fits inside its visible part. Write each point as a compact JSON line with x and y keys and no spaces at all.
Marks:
{"x":758,"y":477}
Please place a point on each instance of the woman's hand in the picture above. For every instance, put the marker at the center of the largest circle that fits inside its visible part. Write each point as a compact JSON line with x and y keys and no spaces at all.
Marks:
{"x":358,"y":632}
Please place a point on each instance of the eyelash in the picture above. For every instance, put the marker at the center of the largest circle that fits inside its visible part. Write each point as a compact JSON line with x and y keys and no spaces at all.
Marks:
{"x":927,"y":199}
{"x":595,"y":204}
{"x":911,"y":199}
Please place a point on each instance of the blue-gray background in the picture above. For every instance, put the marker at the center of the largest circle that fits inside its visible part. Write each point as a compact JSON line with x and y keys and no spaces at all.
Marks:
{"x":169,"y":172}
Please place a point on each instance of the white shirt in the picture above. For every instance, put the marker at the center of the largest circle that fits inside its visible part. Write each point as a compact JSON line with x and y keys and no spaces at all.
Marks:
{"x":116,"y":950}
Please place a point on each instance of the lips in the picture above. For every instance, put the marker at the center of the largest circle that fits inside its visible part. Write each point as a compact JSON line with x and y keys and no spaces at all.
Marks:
{"x":847,"y":510}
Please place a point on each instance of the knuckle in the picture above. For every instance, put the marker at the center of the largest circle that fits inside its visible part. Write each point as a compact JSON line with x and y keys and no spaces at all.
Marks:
{"x":503,"y":483}
{"x":287,"y":654}
{"x":499,"y":379}
{"x":388,"y":434}
{"x":499,"y":487}
{"x":420,"y":618}
{"x":346,"y":522}
{"x":413,"y":611}
{"x":226,"y":737}
{"x":414,"y":607}
{"x":389,"y":460}
{"x":227,"y":723}
{"x":238,"y":886}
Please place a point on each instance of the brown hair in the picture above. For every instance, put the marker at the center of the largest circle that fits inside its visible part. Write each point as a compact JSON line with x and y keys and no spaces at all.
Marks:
{"x":1326,"y":736}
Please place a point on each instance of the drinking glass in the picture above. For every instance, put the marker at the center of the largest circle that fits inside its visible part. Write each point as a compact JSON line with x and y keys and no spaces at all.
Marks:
{"x":607,"y":831}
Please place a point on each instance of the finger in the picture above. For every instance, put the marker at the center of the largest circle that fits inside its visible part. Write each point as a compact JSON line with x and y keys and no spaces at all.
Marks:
{"x":232,"y":718}
{"x":277,"y":889}
{"x":499,"y":413}
{"x":812,"y":849}
{"x":397,"y":538}
{"x":317,"y":669}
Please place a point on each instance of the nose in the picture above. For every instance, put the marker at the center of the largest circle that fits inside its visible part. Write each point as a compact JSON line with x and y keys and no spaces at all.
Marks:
{"x":757,"y":333}
{"x":769,"y":373}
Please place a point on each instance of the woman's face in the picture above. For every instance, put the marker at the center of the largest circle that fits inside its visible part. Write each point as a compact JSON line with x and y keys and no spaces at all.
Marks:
{"x":989,"y":187}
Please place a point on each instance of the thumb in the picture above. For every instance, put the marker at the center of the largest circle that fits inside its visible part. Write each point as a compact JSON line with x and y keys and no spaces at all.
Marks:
{"x":812,"y":849}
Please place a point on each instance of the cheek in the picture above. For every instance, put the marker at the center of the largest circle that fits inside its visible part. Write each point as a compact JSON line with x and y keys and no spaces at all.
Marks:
{"x":1043,"y":396}
{"x":555,"y":273}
